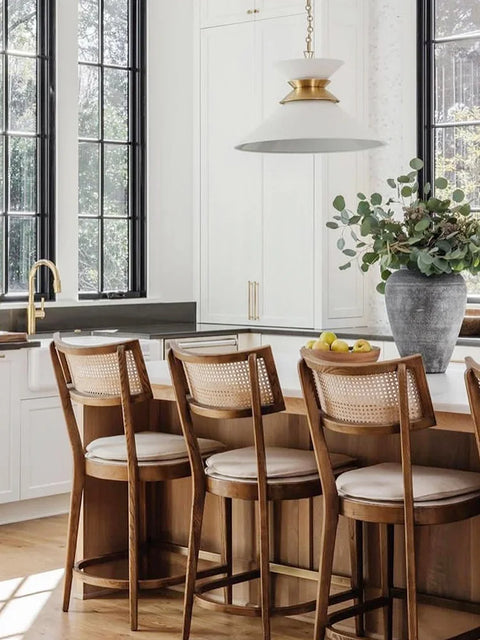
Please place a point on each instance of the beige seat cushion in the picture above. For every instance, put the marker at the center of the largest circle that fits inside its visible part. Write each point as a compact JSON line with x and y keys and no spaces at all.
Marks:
{"x":241,"y":464}
{"x":384,"y":483}
{"x":151,"y":446}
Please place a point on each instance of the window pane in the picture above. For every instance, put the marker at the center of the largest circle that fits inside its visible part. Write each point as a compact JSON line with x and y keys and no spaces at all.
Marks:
{"x":115,"y":243}
{"x":115,"y":201}
{"x":22,"y":94}
{"x":22,"y":174}
{"x":115,"y":107}
{"x":88,"y":243}
{"x":22,"y":250}
{"x":2,"y":62}
{"x":88,"y":91}
{"x":2,"y":180}
{"x":2,"y":254}
{"x":1,"y":25}
{"x":457,"y":79}
{"x":455,"y":17}
{"x":88,"y":178}
{"x":22,"y":25}
{"x":115,"y":32}
{"x":88,"y":47}
{"x":457,"y":158}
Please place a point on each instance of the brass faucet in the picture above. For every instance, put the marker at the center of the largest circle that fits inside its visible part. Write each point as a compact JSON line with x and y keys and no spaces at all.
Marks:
{"x":32,"y":312}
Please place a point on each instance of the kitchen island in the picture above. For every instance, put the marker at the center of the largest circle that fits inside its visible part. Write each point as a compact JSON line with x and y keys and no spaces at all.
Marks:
{"x":448,"y":555}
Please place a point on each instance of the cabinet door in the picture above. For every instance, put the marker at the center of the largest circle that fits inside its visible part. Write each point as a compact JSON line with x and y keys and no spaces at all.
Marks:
{"x":230,"y":180}
{"x":9,"y":426}
{"x":222,"y":12}
{"x":277,"y":8}
{"x":286,"y":283}
{"x":46,"y":455}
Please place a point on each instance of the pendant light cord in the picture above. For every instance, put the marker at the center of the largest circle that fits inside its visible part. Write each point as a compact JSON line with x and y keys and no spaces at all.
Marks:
{"x":308,"y":53}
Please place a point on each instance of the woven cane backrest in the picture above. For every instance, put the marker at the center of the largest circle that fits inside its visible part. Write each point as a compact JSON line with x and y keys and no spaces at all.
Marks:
{"x":368,"y":395}
{"x":222,"y":382}
{"x":95,"y":371}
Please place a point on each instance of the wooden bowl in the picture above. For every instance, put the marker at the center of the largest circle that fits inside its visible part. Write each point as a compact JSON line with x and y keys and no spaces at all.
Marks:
{"x":342,"y":356}
{"x":471,"y":323}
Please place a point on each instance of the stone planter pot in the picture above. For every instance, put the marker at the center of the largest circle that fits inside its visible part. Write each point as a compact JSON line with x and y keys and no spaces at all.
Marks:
{"x":426,"y":314}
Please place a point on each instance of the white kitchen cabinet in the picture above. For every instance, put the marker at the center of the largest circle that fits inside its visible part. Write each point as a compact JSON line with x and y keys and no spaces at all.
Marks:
{"x":10,"y":375}
{"x":46,"y":458}
{"x":223,"y":12}
{"x":257,"y":212}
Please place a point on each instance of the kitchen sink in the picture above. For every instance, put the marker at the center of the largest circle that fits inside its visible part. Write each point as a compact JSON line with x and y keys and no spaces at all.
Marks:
{"x":40,"y":370}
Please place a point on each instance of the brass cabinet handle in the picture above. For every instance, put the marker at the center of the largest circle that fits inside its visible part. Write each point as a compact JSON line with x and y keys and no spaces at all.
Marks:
{"x":257,"y":289}
{"x":256,"y":11}
{"x":250,"y":11}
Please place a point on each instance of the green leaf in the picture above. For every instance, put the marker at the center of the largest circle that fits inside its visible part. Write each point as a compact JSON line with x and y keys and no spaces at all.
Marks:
{"x":376,"y":199}
{"x":350,"y":253}
{"x":416,"y":164}
{"x":403,"y":179}
{"x":441,"y":183}
{"x":360,"y":245}
{"x":423,"y":224}
{"x":465,"y":209}
{"x":363,"y":208}
{"x":344,"y":217}
{"x":364,"y":267}
{"x":386,"y":274}
{"x":427,"y":188}
{"x":339,"y":203}
{"x":340,"y":243}
{"x":347,"y":265}
{"x":332,"y":225}
{"x":370,"y":257}
{"x":406,"y":191}
{"x":433,"y":204}
{"x":354,"y":220}
{"x":380,"y":287}
{"x":458,"y":195}
{"x":391,"y":183}
{"x":444,"y":246}
{"x":361,"y":196}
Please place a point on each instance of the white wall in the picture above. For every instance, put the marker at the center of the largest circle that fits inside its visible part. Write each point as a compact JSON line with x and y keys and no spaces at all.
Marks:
{"x":392,"y":110}
{"x":169,"y":149}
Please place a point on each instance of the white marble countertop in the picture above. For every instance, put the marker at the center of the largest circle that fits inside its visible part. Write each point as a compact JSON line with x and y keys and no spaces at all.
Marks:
{"x":447,"y":389}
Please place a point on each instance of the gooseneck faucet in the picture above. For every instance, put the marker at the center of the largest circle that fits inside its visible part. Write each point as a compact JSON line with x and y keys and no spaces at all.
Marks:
{"x":33,"y":313}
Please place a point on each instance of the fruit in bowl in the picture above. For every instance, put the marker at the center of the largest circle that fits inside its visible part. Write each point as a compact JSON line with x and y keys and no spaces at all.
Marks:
{"x":329,"y":347}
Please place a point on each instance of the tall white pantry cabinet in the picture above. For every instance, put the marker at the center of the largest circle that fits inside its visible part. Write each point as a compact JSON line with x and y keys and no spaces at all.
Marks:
{"x":266,"y":257}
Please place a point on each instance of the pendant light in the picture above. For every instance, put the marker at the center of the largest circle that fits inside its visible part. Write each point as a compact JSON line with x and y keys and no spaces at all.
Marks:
{"x":308,"y":119}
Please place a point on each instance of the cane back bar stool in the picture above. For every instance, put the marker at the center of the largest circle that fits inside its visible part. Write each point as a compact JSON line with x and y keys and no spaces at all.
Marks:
{"x":379,"y":399}
{"x":109,"y":376}
{"x":242,"y":385}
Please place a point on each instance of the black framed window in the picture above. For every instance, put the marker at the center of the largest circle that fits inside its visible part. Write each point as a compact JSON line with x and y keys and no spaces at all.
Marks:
{"x":449,"y":97}
{"x":26,"y":142}
{"x":111,"y":188}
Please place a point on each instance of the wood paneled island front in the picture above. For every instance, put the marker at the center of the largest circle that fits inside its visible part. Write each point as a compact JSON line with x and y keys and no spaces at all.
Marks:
{"x":448,"y":556}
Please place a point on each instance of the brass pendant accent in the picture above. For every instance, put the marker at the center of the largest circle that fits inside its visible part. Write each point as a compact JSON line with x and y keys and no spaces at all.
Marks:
{"x":309,"y":89}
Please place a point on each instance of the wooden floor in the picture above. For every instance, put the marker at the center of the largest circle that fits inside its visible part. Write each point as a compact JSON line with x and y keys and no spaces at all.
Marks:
{"x":31,"y":560}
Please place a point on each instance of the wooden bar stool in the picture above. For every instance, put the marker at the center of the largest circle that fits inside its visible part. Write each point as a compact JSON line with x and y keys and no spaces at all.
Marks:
{"x":109,"y":376}
{"x":241,"y":385}
{"x":381,"y":399}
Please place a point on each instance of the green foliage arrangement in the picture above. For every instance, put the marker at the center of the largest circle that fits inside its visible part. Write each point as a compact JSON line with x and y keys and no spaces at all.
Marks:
{"x":437,"y":234}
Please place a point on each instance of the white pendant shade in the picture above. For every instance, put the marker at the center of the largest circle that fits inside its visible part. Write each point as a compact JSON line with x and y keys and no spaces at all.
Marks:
{"x":309,"y":125}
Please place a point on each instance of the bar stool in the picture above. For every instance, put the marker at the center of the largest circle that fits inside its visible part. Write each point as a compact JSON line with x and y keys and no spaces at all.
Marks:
{"x":109,"y":376}
{"x":242,"y":385}
{"x":380,"y":399}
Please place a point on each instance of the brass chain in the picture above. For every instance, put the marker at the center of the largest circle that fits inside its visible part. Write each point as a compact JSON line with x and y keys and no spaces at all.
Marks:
{"x":309,"y":39}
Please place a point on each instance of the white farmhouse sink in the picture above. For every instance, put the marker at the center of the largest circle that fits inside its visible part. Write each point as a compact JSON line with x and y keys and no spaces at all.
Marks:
{"x":40,"y":370}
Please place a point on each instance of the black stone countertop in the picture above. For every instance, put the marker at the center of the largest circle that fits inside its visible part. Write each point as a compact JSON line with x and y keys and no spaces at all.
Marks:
{"x":10,"y":346}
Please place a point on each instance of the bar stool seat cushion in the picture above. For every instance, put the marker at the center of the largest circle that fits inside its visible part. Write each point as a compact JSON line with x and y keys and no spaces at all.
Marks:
{"x":384,"y":483}
{"x":241,"y":464}
{"x":151,"y":446}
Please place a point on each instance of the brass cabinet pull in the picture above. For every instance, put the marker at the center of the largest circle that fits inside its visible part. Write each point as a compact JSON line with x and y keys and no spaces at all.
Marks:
{"x":250,"y":11}
{"x":256,"y":11}
{"x":257,"y":289}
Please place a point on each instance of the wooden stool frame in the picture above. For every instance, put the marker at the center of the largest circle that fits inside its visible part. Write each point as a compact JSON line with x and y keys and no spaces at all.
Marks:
{"x":408,"y":376}
{"x":124,"y":383}
{"x":247,"y":368}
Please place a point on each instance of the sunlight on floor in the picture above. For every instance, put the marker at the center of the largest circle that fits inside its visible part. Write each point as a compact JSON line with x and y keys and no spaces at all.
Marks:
{"x":22,"y":599}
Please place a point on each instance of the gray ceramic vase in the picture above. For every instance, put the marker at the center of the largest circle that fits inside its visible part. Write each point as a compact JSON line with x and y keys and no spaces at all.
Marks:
{"x":425,"y":315}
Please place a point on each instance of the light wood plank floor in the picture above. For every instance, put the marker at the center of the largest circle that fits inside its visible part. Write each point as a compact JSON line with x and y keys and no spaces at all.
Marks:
{"x":31,"y":560}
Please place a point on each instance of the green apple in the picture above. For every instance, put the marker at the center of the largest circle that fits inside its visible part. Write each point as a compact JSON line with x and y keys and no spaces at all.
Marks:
{"x":362,"y":346}
{"x":340,"y":346}
{"x":321,"y":345}
{"x":328,"y":336}
{"x":309,"y":344}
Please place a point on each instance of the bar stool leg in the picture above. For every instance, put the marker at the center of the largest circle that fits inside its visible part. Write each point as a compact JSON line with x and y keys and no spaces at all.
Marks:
{"x":386,"y":532}
{"x":227,"y":544}
{"x":133,"y":553}
{"x":73,"y":522}
{"x":327,"y":548}
{"x":356,"y":562}
{"x":196,"y":520}
{"x":264,"y":567}
{"x":412,"y":615}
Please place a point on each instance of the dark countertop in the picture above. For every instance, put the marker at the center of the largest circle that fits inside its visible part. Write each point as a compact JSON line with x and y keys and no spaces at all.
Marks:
{"x":9,"y":346}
